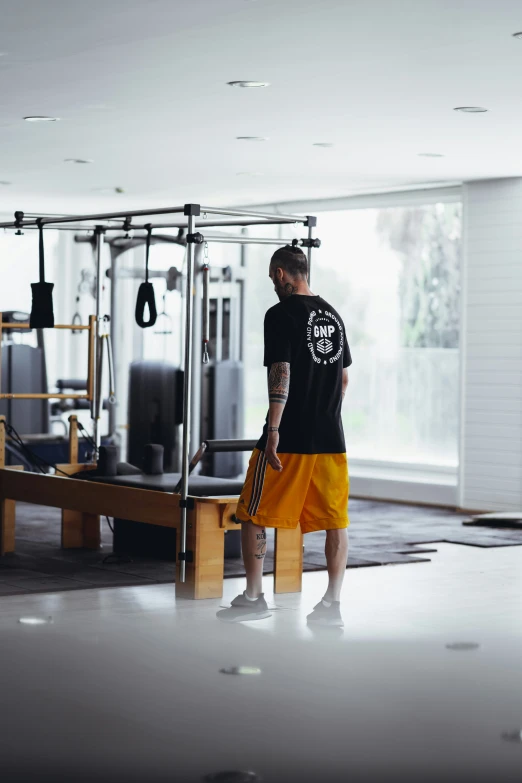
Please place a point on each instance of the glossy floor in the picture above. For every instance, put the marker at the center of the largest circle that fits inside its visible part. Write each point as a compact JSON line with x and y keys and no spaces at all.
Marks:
{"x":125,"y":684}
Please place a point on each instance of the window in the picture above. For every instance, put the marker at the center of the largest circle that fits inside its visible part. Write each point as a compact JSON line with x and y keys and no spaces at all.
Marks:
{"x":394,"y":275}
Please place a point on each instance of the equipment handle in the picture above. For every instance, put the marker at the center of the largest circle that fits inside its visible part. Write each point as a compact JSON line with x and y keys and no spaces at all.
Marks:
{"x":214,"y":446}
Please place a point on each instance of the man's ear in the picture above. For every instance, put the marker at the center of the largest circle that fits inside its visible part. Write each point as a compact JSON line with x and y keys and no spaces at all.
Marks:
{"x":280,"y":274}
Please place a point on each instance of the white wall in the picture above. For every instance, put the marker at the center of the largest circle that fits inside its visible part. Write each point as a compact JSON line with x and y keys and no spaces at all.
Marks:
{"x":491,"y":347}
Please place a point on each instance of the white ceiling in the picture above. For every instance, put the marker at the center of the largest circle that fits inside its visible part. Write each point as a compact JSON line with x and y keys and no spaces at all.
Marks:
{"x":140,"y":88}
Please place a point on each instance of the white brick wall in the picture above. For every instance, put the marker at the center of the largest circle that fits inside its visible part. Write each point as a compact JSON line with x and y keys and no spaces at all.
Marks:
{"x":491,"y":347}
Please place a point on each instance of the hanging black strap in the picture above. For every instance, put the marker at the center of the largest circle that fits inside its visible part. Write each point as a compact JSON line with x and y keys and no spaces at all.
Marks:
{"x":42,"y":315}
{"x":146,"y":292}
{"x":41,"y":250}
{"x":147,"y":252}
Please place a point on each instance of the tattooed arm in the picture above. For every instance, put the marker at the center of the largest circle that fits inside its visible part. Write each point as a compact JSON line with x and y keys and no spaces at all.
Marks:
{"x":278,"y":386}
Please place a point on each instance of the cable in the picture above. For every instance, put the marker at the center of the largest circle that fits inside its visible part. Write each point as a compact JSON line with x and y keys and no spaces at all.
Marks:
{"x":86,"y":435}
{"x":34,"y":459}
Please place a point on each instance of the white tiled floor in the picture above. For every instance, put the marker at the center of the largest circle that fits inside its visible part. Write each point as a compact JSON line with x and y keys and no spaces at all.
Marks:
{"x":124,"y":685}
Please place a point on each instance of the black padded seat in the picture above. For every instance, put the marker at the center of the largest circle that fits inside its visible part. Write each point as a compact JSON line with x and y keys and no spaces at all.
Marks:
{"x":199,"y":486}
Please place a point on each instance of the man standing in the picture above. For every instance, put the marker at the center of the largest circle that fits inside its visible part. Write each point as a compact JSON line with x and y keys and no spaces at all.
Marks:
{"x":298,"y":473}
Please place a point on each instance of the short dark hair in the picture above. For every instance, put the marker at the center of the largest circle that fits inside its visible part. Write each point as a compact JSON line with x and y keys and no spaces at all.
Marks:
{"x":292,"y":260}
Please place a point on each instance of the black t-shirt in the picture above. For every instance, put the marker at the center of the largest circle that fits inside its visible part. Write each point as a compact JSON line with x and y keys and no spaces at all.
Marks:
{"x":309,"y":334}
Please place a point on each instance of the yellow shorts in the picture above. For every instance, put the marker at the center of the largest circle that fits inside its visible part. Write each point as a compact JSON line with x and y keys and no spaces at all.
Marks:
{"x":312,"y":490}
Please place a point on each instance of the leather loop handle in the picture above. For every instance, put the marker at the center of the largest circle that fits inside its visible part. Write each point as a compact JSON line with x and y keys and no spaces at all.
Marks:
{"x":146,"y":297}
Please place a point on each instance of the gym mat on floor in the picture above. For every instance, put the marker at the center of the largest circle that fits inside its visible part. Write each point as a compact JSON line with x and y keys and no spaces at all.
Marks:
{"x":380,"y":534}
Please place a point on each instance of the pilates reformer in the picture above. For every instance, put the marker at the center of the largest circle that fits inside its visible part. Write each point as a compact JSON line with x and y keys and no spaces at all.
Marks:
{"x":200,"y":521}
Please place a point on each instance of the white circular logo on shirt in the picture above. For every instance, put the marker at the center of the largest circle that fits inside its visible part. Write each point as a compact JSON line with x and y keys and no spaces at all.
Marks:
{"x":324,"y":336}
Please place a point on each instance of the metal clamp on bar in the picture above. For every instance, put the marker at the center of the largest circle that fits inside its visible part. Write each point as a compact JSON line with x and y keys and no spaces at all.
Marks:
{"x":188,"y":503}
{"x":310,"y":242}
{"x":311,"y":221}
{"x":19,"y":220}
{"x":195,"y":239}
{"x":187,"y":556}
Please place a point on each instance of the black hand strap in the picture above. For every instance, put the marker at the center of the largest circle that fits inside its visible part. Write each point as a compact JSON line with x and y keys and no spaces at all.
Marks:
{"x":146,"y":292}
{"x":42,"y":315}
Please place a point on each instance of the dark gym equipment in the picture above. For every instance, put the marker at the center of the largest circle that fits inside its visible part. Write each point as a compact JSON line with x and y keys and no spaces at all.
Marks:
{"x":155,"y":410}
{"x":23,"y":370}
{"x":222,"y":415}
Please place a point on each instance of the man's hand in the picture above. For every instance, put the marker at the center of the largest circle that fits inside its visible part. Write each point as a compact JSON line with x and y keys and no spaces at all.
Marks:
{"x":271,"y":451}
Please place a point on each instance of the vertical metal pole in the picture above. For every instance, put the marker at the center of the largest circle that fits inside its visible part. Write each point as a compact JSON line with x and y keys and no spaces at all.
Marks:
{"x":242,"y":294}
{"x":95,"y":407}
{"x":197,"y":355}
{"x":114,"y":335}
{"x":187,"y":389}
{"x":310,"y":231}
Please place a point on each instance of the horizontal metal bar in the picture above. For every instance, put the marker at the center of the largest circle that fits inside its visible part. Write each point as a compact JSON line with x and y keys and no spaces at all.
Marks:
{"x":244,"y":240}
{"x":219,"y":224}
{"x":240,"y":239}
{"x":92,"y":229}
{"x":123,"y":215}
{"x":247,"y":213}
{"x":44,"y":397}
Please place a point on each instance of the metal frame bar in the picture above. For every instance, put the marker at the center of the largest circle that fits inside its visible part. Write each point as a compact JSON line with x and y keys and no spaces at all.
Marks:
{"x":97,"y":390}
{"x":191,"y":211}
{"x":187,"y":386}
{"x":248,"y":213}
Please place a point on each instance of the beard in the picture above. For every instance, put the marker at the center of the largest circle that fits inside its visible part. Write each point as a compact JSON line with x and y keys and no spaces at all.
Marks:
{"x":284,"y":290}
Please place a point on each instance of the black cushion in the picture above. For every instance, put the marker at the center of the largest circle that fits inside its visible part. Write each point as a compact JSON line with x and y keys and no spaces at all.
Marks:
{"x":199,"y":486}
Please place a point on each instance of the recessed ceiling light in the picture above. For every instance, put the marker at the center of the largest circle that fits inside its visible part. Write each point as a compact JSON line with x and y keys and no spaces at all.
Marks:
{"x":471,"y":109}
{"x":517,"y":35}
{"x":41,"y":119}
{"x":323,"y":144}
{"x":3,"y":182}
{"x":35,"y":620}
{"x":252,"y":138}
{"x":241,"y":670}
{"x":248,"y":84}
{"x":109,"y":190}
{"x":430,"y":155}
{"x":78,"y":160}
{"x":249,"y":174}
